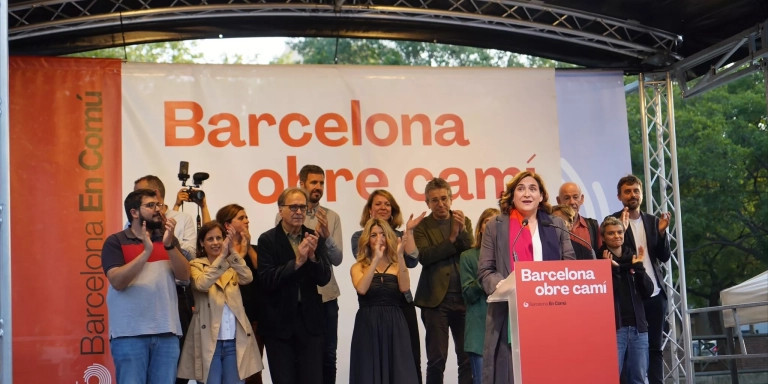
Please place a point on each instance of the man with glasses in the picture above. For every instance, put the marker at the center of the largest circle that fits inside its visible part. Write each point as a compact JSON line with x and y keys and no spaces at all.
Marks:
{"x":580,"y":244}
{"x":185,"y":229}
{"x":186,"y":232}
{"x":441,"y":238}
{"x":141,"y":262}
{"x":328,"y":226}
{"x":584,"y":227}
{"x":293,"y":261}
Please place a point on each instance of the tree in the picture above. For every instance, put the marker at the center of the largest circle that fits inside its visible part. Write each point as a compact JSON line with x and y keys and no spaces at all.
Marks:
{"x":165,"y":52}
{"x":722,"y":147}
{"x":387,"y":52}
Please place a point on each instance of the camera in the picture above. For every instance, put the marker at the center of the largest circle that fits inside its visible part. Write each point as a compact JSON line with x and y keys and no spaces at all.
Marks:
{"x":195,"y":195}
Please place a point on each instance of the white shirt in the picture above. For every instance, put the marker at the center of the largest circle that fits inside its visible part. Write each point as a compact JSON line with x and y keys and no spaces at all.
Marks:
{"x":538,"y":253}
{"x":185,"y":231}
{"x":638,"y":231}
{"x":228,"y":324}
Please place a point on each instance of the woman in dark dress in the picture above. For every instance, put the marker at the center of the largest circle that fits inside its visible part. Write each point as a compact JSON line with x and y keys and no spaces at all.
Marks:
{"x":382,"y":205}
{"x":381,"y":345}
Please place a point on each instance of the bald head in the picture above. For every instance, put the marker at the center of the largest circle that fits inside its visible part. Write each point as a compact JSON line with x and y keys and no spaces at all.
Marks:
{"x":570,"y":195}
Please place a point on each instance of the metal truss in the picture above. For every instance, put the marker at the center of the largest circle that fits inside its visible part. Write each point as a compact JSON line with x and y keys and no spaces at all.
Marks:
{"x":738,"y":56}
{"x":28,"y":19}
{"x":662,"y":194}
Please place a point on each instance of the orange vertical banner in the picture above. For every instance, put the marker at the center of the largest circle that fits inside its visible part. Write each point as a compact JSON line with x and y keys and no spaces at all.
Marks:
{"x":65,"y":147}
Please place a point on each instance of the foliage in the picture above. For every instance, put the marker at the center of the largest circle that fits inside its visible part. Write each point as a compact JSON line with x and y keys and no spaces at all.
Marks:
{"x":722,"y":148}
{"x":387,"y":52}
{"x":165,"y":52}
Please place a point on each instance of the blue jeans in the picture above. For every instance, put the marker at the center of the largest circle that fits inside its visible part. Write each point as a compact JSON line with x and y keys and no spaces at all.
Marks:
{"x":224,"y":364}
{"x":149,"y":359}
{"x":476,"y":363}
{"x":633,"y":346}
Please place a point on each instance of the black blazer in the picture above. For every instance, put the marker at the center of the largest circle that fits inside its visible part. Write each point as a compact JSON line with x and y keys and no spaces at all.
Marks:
{"x":281,"y":282}
{"x":658,"y":244}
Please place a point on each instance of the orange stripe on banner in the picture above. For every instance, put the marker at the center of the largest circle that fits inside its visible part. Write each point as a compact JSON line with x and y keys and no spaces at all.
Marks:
{"x":65,"y":160}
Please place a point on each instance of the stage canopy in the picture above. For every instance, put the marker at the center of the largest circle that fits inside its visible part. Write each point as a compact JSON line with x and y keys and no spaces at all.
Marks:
{"x":751,"y":291}
{"x":629,"y":35}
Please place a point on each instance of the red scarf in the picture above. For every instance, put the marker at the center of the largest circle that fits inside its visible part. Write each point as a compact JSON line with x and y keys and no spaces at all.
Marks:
{"x":524,"y":246}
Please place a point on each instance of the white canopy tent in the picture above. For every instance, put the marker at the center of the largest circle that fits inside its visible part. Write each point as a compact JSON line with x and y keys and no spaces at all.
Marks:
{"x":751,"y":291}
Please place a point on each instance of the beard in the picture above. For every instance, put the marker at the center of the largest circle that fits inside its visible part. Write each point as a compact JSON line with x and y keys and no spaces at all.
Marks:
{"x":313,"y":199}
{"x":152,"y":225}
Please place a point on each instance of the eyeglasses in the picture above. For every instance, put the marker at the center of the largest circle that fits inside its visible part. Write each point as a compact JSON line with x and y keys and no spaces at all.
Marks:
{"x":153,"y":205}
{"x":296,"y":207}
{"x":442,"y":199}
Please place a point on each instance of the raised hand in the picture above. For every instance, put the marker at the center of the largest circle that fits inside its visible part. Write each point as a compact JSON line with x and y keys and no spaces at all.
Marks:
{"x":458,"y":219}
{"x":322,"y":223}
{"x":625,"y":218}
{"x":378,"y":252}
{"x":181,"y":197}
{"x":170,"y":225}
{"x":457,"y":224}
{"x":308,"y":246}
{"x":227,"y":245}
{"x":412,"y":223}
{"x":146,"y":239}
{"x":245,"y":241}
{"x":246,"y":236}
{"x":664,"y":222}
{"x":638,"y":258}
{"x":608,"y":255}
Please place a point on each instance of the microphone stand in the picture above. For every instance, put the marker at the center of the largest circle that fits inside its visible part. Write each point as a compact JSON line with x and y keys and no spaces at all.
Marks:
{"x":591,"y":250}
{"x":514,"y":251}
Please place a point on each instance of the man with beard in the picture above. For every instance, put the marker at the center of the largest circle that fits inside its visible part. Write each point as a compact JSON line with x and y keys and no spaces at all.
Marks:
{"x":328,"y":226}
{"x":584,"y":227}
{"x":186,"y":232}
{"x":292,"y":263}
{"x":650,"y":233}
{"x":141,"y":263}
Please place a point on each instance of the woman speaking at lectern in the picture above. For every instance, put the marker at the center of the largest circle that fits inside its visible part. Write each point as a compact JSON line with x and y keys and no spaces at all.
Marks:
{"x":524,"y":223}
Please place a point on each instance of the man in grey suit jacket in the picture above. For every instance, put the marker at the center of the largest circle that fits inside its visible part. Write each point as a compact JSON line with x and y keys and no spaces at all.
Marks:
{"x":441,"y":238}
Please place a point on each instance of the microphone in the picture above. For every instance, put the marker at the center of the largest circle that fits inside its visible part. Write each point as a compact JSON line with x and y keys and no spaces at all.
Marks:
{"x":514,"y":252}
{"x":592,"y":251}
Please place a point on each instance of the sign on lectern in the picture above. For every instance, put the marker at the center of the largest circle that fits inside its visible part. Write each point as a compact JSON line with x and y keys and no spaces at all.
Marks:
{"x":561,"y":317}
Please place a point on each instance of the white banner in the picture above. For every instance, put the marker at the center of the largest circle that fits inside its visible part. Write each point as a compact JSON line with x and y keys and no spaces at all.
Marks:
{"x":253,"y":127}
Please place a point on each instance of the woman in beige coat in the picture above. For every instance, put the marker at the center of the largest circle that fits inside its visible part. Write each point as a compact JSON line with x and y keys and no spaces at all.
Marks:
{"x":220,"y":346}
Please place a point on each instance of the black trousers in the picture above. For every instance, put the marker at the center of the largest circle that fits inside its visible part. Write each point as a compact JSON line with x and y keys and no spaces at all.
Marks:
{"x":438,"y":321}
{"x":656,"y":313}
{"x":297,"y":359}
{"x":186,"y":302}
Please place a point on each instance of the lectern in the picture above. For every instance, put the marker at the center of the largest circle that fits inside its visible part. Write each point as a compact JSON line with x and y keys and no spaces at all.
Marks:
{"x":561,"y":322}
